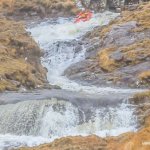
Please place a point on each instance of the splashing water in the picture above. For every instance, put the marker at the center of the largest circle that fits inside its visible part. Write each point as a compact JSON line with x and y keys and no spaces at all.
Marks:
{"x":65,"y":29}
{"x":31,"y":123}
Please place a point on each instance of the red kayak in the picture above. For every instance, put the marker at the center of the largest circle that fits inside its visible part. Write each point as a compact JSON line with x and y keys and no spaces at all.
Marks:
{"x":83,"y":17}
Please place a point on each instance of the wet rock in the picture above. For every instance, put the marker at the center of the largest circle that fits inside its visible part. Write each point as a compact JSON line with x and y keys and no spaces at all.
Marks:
{"x":118,"y":56}
{"x":130,"y":7}
{"x":142,"y":101}
{"x":78,"y":48}
{"x":81,"y":70}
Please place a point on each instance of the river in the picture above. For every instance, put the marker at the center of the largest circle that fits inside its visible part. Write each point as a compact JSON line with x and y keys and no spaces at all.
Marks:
{"x":39,"y":117}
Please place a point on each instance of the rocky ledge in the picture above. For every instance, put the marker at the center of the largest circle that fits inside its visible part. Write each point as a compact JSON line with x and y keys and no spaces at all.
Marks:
{"x":127,"y":141}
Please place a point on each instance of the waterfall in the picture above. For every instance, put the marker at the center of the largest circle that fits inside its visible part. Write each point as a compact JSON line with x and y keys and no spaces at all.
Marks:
{"x":42,"y":121}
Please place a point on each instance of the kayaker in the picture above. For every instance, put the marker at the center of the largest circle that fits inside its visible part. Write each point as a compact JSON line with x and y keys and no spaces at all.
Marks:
{"x":85,"y":15}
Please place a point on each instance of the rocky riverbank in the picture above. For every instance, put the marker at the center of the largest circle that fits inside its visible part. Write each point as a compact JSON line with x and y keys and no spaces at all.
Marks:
{"x":117,"y":54}
{"x":127,"y":141}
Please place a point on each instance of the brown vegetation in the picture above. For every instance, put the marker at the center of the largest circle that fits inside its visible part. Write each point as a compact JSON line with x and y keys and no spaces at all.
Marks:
{"x":144,"y":77}
{"x":141,"y":97}
{"x":114,"y":57}
{"x":131,"y":55}
{"x":127,"y":141}
{"x":42,"y":8}
{"x":19,"y":54}
{"x":142,"y":102}
{"x":105,"y":62}
{"x":19,"y":58}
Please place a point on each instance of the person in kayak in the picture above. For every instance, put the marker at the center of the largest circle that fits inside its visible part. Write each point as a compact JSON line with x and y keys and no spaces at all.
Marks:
{"x":85,"y":15}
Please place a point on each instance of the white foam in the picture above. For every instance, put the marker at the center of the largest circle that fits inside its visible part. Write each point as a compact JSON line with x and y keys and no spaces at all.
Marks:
{"x":47,"y":120}
{"x":9,"y":141}
{"x":68,"y":30}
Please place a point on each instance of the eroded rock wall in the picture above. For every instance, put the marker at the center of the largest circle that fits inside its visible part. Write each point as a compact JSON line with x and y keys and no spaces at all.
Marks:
{"x":127,"y":141}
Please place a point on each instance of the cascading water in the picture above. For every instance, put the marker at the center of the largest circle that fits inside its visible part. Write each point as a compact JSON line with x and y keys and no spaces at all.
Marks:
{"x":59,"y":42}
{"x":34,"y":122}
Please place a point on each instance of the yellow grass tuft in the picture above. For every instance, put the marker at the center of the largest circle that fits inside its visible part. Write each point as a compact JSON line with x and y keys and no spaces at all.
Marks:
{"x":141,"y":96}
{"x":105,"y":62}
{"x":144,"y":75}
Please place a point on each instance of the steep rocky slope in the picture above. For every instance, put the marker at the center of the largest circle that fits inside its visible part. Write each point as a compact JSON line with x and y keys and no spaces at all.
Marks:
{"x":118,"y":54}
{"x":127,"y":52}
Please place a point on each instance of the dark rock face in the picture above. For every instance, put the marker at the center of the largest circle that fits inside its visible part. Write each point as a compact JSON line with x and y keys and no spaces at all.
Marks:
{"x":120,"y":35}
